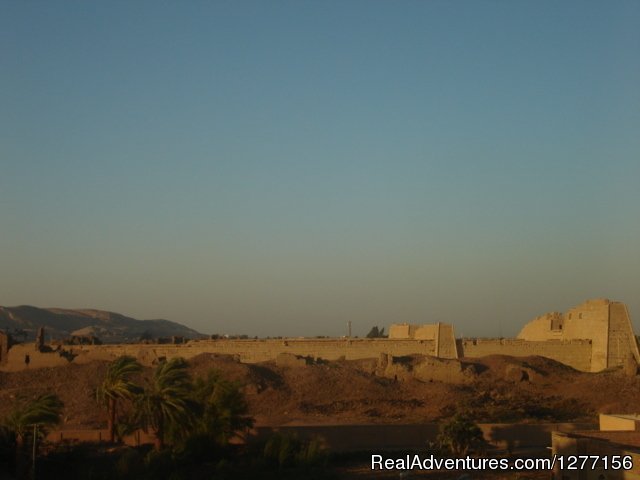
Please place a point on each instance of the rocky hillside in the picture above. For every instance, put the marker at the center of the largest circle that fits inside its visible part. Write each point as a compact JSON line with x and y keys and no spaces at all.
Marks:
{"x":23,"y":322}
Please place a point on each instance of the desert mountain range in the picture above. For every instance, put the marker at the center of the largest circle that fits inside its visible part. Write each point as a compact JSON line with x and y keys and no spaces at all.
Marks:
{"x":23,"y":322}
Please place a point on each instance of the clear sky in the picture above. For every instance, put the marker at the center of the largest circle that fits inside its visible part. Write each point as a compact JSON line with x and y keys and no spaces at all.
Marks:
{"x":280,"y":168}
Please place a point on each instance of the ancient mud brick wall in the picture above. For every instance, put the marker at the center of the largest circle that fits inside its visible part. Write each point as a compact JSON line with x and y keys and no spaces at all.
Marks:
{"x":25,"y":356}
{"x":575,"y":353}
{"x":249,"y":351}
{"x":622,"y":343}
{"x":446,"y":341}
{"x":590,"y":320}
{"x":605,"y":323}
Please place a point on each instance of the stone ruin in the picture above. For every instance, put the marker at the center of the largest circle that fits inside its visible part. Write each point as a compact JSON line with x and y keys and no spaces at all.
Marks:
{"x":424,"y":368}
{"x":82,"y":340}
{"x":40,"y":340}
{"x":5,"y":343}
{"x":591,"y":337}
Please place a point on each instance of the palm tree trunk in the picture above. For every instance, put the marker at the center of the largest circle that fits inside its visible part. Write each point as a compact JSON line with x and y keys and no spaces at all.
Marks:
{"x":111,"y":422}
{"x":21,"y":464}
{"x":159,"y":434}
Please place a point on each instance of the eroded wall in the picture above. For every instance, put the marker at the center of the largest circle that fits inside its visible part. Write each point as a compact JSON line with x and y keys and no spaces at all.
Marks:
{"x":544,"y":327}
{"x":575,"y":353}
{"x":621,"y":339}
{"x":442,"y":334}
{"x":593,"y":336}
{"x":605,"y":323}
{"x":590,"y":320}
{"x":248,"y":351}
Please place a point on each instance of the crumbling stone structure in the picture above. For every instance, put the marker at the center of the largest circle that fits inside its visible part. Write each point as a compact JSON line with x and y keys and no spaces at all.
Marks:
{"x":605,"y":323}
{"x":82,"y":340}
{"x":40,"y":340}
{"x":441,"y":334}
{"x":4,"y":347}
{"x":424,"y":368}
{"x":591,"y":337}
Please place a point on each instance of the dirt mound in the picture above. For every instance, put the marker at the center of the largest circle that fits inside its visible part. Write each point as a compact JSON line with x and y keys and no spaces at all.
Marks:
{"x":339,"y":391}
{"x":345,"y":392}
{"x":425,"y":368}
{"x":74,"y":384}
{"x":543,"y":366}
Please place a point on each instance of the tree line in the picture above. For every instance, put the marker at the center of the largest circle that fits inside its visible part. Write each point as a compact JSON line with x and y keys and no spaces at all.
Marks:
{"x":175,"y":408}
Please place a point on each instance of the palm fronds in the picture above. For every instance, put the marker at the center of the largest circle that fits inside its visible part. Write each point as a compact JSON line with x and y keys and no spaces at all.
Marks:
{"x":43,"y":410}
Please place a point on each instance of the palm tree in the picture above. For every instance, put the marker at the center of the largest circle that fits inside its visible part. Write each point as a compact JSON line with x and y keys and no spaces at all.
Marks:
{"x":117,"y":385}
{"x":42,"y":411}
{"x":224,"y":408}
{"x":165,"y":404}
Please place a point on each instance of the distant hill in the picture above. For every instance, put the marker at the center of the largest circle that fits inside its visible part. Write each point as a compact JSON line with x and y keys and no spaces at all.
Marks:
{"x":23,"y":322}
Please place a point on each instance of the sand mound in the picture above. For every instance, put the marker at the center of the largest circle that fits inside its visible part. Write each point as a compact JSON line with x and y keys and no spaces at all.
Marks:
{"x":351,"y":392}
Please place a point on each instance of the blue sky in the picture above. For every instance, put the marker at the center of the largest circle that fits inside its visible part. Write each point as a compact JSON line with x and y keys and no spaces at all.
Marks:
{"x":280,"y":168}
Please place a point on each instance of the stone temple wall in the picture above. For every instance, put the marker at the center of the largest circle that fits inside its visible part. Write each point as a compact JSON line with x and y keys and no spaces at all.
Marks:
{"x":621,"y":339}
{"x":605,"y":323}
{"x":248,"y":351}
{"x":591,"y":337}
{"x":574,"y":353}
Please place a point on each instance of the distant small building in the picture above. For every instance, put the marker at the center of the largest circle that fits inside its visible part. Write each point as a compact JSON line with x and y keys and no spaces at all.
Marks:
{"x":614,"y":450}
{"x":620,"y":422}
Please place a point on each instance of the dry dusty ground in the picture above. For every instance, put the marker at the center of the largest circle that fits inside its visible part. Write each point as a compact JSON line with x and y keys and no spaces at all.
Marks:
{"x":348,"y":392}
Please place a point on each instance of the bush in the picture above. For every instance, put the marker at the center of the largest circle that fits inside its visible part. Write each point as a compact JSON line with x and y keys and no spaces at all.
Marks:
{"x":287,"y":451}
{"x":460,"y":435}
{"x":159,"y":464}
{"x":130,"y":465}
